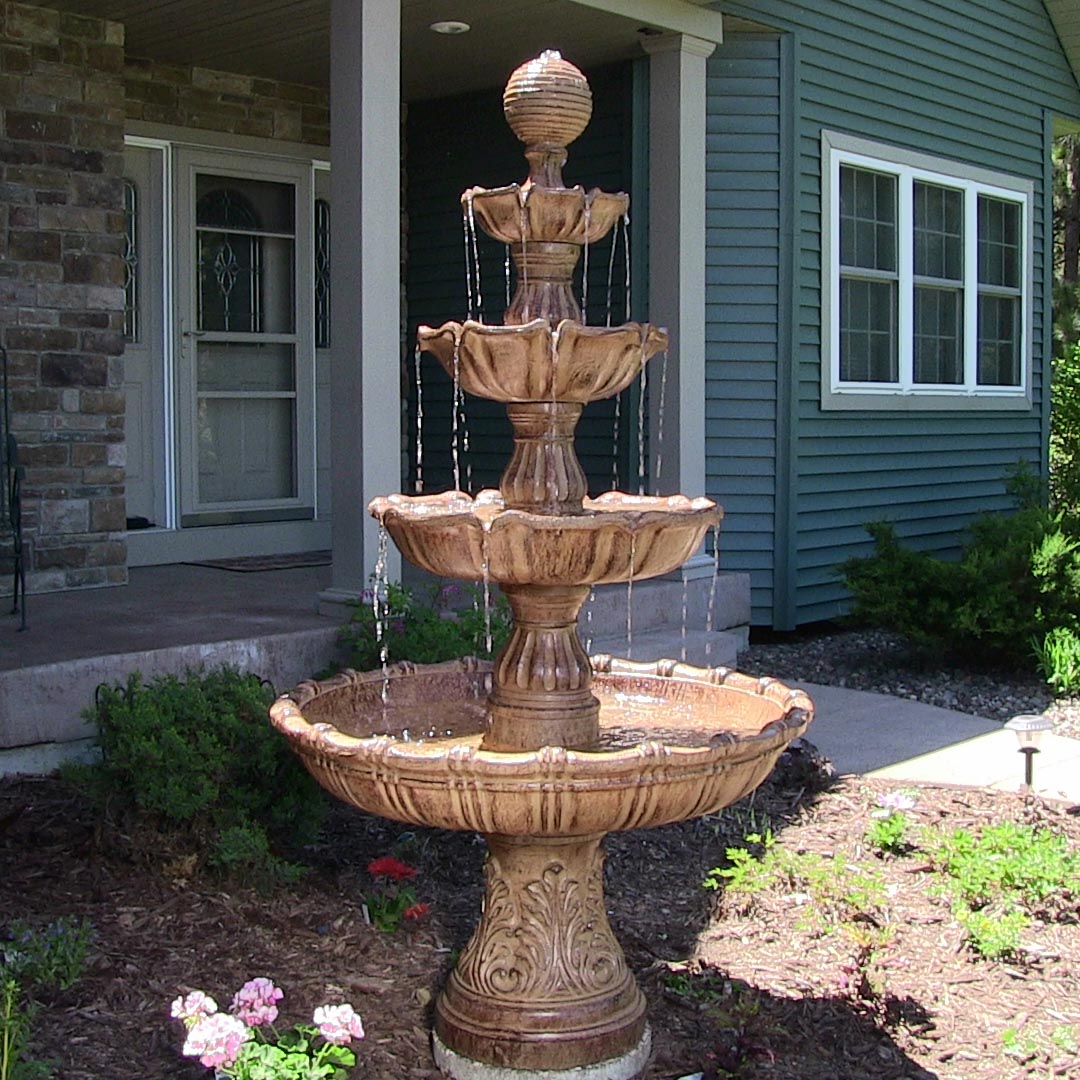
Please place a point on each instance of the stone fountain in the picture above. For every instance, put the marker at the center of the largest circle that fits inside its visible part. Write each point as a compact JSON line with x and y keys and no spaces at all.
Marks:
{"x":545,"y":751}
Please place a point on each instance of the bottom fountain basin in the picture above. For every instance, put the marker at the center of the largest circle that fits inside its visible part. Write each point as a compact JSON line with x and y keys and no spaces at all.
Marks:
{"x":676,"y":742}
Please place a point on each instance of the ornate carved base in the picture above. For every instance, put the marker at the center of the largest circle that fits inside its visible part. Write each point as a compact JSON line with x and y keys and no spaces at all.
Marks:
{"x":543,"y":984}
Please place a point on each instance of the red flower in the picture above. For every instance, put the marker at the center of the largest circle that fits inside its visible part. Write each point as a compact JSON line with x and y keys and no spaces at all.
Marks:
{"x":417,"y":911}
{"x":389,"y":867}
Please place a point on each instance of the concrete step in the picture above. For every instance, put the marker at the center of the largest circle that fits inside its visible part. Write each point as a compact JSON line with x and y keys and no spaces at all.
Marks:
{"x":41,"y":707}
{"x":720,"y":648}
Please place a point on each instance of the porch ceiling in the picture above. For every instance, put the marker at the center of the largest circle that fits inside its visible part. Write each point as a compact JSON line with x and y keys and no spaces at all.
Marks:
{"x":288,"y":40}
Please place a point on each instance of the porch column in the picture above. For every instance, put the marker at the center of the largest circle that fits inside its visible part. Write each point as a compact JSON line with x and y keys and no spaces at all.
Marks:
{"x":365,"y":241}
{"x":677,"y":253}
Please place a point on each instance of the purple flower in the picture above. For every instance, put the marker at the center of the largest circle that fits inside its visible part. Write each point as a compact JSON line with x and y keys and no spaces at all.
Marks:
{"x":193,"y":1007}
{"x":338,"y":1024}
{"x":216,"y":1040}
{"x":896,"y":800}
{"x":256,"y":1002}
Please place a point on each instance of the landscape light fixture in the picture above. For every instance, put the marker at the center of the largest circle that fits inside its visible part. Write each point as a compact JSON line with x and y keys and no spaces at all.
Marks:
{"x":1029,"y":731}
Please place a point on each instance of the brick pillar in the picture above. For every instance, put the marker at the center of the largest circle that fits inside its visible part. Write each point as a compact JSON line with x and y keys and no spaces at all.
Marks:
{"x":61,"y":286}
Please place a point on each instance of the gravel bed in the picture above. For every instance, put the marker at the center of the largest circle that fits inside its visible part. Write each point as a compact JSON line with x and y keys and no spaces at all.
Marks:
{"x":881,"y":662}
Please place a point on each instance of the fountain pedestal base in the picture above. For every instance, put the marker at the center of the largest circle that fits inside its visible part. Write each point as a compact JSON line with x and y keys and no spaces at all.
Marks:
{"x":543,"y":986}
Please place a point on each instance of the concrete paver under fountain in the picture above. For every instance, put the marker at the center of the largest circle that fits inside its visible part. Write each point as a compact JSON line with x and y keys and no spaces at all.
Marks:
{"x":545,"y":751}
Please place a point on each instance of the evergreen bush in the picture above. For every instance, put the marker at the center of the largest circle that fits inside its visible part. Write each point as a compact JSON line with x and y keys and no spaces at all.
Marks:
{"x":196,"y":761}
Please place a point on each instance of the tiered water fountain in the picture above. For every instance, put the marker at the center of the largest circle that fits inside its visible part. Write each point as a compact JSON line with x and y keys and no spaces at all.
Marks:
{"x":545,"y":751}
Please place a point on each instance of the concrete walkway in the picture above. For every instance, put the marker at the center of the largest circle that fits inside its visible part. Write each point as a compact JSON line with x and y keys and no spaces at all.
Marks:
{"x":897,"y":739}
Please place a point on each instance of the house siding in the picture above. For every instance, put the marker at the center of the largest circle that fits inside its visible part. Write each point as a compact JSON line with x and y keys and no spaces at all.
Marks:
{"x":970,"y":82}
{"x":743,"y":303}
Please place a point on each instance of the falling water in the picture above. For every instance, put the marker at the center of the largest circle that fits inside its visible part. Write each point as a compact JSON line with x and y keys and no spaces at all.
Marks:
{"x":475,"y":259}
{"x":685,"y":606}
{"x":465,"y":453}
{"x":611,"y":271}
{"x":468,"y":221}
{"x":419,"y":424}
{"x":588,"y":619}
{"x":485,"y":568}
{"x":585,"y":266}
{"x":626,"y":251}
{"x":615,"y":443}
{"x":506,"y":273}
{"x":455,"y":411}
{"x":524,"y":260}
{"x":380,"y":604}
{"x":660,"y":420}
{"x":642,"y":473}
{"x":715,"y":531}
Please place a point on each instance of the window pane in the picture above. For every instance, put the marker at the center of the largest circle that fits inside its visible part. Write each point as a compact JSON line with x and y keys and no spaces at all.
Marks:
{"x":999,"y":341}
{"x":867,"y":219}
{"x":245,"y":283}
{"x":322,"y":274}
{"x":131,"y":261}
{"x":939,"y":231}
{"x":245,"y":366}
{"x":230,"y":202}
{"x":246,"y":449}
{"x":999,"y":242}
{"x":938,"y":336}
{"x":867,"y":331}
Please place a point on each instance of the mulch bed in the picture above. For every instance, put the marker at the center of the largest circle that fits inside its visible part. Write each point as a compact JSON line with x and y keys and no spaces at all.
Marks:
{"x":781,"y":1002}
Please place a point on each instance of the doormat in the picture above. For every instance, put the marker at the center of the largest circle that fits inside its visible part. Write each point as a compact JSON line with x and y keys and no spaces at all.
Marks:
{"x":253,"y":564}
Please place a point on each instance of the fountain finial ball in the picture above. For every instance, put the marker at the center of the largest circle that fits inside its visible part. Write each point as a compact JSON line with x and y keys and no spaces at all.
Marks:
{"x":547,"y":101}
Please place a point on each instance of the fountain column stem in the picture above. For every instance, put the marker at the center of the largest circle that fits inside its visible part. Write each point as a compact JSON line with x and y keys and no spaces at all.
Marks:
{"x":543,"y":679}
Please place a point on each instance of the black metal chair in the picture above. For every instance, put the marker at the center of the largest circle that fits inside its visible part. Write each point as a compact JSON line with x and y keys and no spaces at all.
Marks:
{"x":11,"y":475}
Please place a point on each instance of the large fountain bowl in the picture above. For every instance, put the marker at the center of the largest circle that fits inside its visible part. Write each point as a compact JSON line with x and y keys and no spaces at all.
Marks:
{"x":684,"y":741}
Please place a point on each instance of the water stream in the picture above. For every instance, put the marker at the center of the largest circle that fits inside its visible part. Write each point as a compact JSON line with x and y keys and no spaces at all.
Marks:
{"x":419,"y":485}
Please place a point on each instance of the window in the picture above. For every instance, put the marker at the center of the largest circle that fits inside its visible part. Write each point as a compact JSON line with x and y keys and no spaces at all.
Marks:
{"x":926,"y":273}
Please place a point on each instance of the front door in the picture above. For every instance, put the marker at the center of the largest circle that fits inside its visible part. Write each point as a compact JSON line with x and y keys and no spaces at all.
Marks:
{"x":245,"y":382}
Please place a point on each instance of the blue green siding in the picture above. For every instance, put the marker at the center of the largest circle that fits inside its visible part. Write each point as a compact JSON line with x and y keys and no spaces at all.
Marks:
{"x":743,"y":313}
{"x":971,"y":81}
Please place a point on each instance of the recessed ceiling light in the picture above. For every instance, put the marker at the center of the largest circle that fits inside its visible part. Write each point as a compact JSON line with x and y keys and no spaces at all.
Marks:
{"x":450,"y":26}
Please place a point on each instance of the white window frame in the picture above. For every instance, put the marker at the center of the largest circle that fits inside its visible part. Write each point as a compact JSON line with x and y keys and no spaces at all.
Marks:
{"x":907,"y":167}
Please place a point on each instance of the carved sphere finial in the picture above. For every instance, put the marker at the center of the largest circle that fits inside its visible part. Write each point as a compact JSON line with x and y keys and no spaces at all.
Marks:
{"x":547,"y":101}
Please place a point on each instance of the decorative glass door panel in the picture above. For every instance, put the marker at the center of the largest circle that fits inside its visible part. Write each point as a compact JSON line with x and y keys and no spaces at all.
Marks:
{"x":247,"y":345}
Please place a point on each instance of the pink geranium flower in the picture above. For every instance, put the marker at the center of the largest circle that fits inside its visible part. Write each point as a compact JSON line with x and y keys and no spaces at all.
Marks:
{"x":216,"y":1040}
{"x":338,"y":1024}
{"x":389,"y":867}
{"x":256,"y":1002}
{"x":194,"y":1007}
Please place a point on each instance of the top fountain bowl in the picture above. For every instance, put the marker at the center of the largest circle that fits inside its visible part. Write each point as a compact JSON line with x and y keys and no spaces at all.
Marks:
{"x":547,"y":101}
{"x":523,"y":214}
{"x":731,"y":728}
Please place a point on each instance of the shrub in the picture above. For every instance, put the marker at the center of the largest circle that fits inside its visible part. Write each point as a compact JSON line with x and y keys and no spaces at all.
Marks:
{"x":1059,"y":660}
{"x":1017,"y":579}
{"x":1065,"y":432}
{"x":425,"y":629}
{"x":196,"y":760}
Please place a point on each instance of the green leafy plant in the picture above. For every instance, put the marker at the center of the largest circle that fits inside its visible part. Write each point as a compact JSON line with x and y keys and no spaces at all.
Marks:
{"x":16,"y":1019}
{"x":245,"y":1044}
{"x":887,"y":831}
{"x":196,"y":762}
{"x":1017,"y":578}
{"x":1058,"y":655}
{"x":49,"y":959}
{"x":444,"y":624}
{"x":1001,"y":877}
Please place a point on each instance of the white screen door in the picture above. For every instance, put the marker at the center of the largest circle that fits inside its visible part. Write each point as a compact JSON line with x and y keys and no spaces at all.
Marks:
{"x":245,"y":356}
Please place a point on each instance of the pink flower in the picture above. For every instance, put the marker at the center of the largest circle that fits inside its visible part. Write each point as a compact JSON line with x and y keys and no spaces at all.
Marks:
{"x":896,"y":800}
{"x":216,"y":1040}
{"x":255,"y":1002}
{"x":193,"y":1007}
{"x":389,"y":867}
{"x":416,"y":911}
{"x":338,"y":1023}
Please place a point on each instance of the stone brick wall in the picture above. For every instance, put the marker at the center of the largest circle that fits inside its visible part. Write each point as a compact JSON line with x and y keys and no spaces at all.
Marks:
{"x":196,"y":97}
{"x":61,"y":287}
